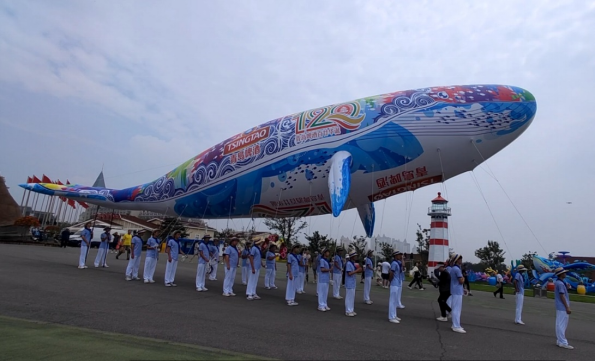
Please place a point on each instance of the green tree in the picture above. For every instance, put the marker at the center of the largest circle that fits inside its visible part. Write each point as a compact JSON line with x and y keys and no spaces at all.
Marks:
{"x":359,"y":246}
{"x":387,"y":250}
{"x":423,"y":243}
{"x":527,"y":260}
{"x":169,"y":226}
{"x":491,"y":254}
{"x":225,"y":234}
{"x":316,"y":241}
{"x":287,"y":227}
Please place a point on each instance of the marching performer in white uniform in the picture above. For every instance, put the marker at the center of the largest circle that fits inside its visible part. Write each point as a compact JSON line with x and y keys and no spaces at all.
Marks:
{"x":231,"y":257}
{"x":293,"y":270}
{"x":173,"y":251}
{"x":350,"y":272}
{"x":255,"y":265}
{"x":246,"y":263}
{"x":337,"y":274}
{"x":519,"y":291}
{"x":86,"y":236}
{"x":135,"y":257}
{"x":214,"y":261}
{"x":106,"y":238}
{"x":456,"y":292}
{"x":368,"y":274}
{"x":151,"y":257}
{"x":395,"y":276}
{"x":324,"y":277}
{"x":203,"y":261}
{"x":562,"y":308}
{"x":271,"y":268}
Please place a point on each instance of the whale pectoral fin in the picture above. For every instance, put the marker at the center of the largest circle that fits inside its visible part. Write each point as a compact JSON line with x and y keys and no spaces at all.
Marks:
{"x":339,"y":180}
{"x":368,"y":216}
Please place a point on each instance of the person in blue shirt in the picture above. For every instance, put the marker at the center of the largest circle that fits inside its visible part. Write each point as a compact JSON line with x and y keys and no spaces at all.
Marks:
{"x":246,"y":262}
{"x":299,"y":288}
{"x":214,"y":261}
{"x":562,"y":303}
{"x":324,"y":278}
{"x":173,"y":250}
{"x":456,"y":292}
{"x":151,"y":257}
{"x":395,"y":277}
{"x":337,"y":273}
{"x":106,"y":238}
{"x":255,"y":259}
{"x":315,"y":260}
{"x":401,"y":278}
{"x":519,"y":291}
{"x":271,"y":268}
{"x":204,"y":258}
{"x":293,"y":270}
{"x":86,"y":236}
{"x":350,"y":275}
{"x":368,"y":274}
{"x":135,"y":257}
{"x":231,"y":257}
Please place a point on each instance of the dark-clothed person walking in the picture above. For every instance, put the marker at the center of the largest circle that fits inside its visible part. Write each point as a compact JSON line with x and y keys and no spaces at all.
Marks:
{"x":444,"y":289}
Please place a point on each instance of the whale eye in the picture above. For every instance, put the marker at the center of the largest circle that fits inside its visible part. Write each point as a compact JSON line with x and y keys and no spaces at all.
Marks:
{"x":443,"y":95}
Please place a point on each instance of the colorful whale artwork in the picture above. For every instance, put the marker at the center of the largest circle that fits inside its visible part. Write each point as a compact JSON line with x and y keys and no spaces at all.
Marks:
{"x":544,"y":270}
{"x":329,"y":159}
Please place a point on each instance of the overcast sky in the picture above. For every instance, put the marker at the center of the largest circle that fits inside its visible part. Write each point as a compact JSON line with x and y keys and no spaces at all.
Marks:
{"x":141,"y":86}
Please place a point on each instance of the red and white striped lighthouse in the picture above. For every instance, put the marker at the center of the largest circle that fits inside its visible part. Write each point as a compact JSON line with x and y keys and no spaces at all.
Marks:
{"x":439,"y":251}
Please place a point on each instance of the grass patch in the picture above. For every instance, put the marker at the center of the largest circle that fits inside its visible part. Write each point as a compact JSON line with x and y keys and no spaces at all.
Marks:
{"x":35,"y":341}
{"x":529,"y":293}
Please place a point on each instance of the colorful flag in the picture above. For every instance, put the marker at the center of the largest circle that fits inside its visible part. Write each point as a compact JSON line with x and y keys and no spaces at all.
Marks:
{"x":71,"y":203}
{"x":46,"y":179}
{"x":61,"y":197}
{"x":36,"y":180}
{"x":29,"y":180}
{"x":83,"y":204}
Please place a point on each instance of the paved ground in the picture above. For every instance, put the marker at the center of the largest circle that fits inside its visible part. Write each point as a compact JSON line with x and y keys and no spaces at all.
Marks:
{"x":43,"y":283}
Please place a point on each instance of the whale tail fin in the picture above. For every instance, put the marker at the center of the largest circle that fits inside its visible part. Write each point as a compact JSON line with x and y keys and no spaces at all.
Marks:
{"x":75,"y":192}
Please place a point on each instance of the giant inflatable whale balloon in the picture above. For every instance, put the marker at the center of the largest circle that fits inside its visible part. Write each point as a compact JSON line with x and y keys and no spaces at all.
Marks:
{"x":332,"y":158}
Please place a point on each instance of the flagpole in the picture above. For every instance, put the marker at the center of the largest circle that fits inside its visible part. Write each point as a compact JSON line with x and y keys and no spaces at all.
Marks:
{"x":59,"y":210}
{"x":27,"y":204}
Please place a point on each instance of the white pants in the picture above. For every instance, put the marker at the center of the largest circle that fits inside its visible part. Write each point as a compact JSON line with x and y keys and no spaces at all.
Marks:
{"x":519,"y":307}
{"x":349,"y":300}
{"x":290,"y":291}
{"x":133,"y":265}
{"x":393,"y":302}
{"x":449,"y":302}
{"x":457,"y":306}
{"x":367,"y":286}
{"x":245,"y":272}
{"x":149,"y":271}
{"x":269,"y":278}
{"x":213,"y":274}
{"x":100,"y":258}
{"x":201,"y":272}
{"x":83,"y":256}
{"x":399,"y":293}
{"x":301,"y":280}
{"x":561,"y":324}
{"x":230,"y":276}
{"x":322,"y":289}
{"x":336,"y":284}
{"x":252,"y":282}
{"x":170,"y":271}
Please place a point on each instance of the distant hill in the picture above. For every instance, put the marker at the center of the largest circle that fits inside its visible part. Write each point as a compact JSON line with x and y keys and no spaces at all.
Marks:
{"x":9,"y":209}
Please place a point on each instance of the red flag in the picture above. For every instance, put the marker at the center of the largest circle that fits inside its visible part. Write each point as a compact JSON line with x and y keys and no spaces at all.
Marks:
{"x":29,"y":180}
{"x":71,"y":203}
{"x":61,"y":197}
{"x":46,"y":179}
{"x":83,"y":204}
{"x":36,"y":180}
{"x":67,"y":182}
